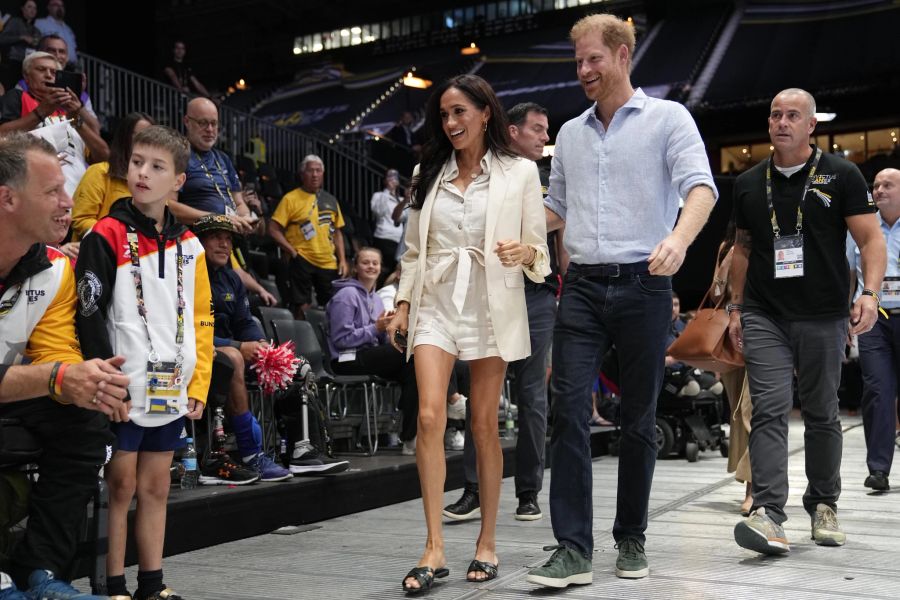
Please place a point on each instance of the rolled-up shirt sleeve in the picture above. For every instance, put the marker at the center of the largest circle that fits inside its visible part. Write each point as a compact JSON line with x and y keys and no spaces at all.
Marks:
{"x":555,"y":199}
{"x":686,"y":154}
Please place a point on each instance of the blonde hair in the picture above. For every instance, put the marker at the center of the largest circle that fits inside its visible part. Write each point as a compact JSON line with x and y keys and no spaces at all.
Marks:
{"x":613,"y":30}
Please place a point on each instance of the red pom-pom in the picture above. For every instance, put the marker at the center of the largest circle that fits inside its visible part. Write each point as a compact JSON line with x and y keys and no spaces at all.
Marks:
{"x":275,"y":367}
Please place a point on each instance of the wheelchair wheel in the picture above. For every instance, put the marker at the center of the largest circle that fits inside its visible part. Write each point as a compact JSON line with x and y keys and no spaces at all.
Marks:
{"x":691,"y":451}
{"x":723,"y":448}
{"x":665,"y":438}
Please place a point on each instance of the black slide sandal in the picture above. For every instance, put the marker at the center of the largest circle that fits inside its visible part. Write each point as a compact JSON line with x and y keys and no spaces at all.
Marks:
{"x":489,"y":569}
{"x":425,"y":576}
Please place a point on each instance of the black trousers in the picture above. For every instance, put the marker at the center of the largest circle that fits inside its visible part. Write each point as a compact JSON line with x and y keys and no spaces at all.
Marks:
{"x":76,"y":443}
{"x":304,"y":277}
{"x":384,"y":361}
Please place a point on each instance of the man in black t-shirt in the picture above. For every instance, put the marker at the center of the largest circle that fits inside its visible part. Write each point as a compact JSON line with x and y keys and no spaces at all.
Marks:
{"x":789,"y":312}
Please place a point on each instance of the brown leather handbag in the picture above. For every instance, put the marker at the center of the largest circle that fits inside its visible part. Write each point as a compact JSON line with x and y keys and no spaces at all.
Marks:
{"x":705,"y":343}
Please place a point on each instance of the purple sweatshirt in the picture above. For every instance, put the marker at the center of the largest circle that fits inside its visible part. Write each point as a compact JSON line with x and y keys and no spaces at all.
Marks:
{"x":352,"y":313}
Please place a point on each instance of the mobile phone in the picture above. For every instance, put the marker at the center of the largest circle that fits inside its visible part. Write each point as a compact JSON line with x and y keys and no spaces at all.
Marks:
{"x":67,"y":79}
{"x":400,"y":338}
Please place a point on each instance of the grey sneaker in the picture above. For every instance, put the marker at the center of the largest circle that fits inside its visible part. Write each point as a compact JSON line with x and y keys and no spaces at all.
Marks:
{"x":826,"y":531}
{"x":632,"y":562}
{"x":565,"y":567}
{"x":760,"y":533}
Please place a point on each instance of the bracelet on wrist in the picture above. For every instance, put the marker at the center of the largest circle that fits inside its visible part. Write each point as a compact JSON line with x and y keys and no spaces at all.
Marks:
{"x":51,"y":383}
{"x":57,"y":383}
{"x":730,"y":308}
{"x":873,"y":293}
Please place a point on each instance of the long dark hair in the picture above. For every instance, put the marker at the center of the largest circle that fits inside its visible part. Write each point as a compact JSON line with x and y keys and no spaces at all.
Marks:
{"x":120,"y":147}
{"x":437,"y":146}
{"x":728,"y":241}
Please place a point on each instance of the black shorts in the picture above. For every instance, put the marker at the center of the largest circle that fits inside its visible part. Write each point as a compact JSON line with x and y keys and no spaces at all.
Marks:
{"x":304,"y":277}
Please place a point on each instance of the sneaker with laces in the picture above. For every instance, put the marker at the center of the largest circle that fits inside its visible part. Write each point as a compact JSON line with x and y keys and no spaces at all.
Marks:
{"x":528,"y":509}
{"x":826,"y":530}
{"x":268,"y":469}
{"x":8,"y":589}
{"x":457,"y":410}
{"x":409,"y":448}
{"x":760,"y":533}
{"x":466,"y":508}
{"x":454,"y":439}
{"x":219,"y":469}
{"x":306,"y":460}
{"x":42,"y":585}
{"x":564,"y":568}
{"x":632,"y":561}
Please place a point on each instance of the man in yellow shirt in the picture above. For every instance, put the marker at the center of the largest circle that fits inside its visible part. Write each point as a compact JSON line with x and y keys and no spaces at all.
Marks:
{"x":307,"y":226}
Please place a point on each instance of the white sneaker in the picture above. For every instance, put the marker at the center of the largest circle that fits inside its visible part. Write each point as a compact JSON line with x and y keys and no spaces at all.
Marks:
{"x":457,"y":410}
{"x":690,"y":389}
{"x":409,"y":448}
{"x":454,"y":439}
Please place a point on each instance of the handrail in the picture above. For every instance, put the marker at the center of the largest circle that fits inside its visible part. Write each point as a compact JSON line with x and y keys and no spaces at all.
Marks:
{"x":116,"y":91}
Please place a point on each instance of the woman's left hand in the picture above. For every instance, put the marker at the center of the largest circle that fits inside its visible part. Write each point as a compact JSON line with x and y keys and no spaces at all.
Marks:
{"x":512,"y":253}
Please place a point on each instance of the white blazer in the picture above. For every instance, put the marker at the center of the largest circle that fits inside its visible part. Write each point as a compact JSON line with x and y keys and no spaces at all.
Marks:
{"x":514,"y":191}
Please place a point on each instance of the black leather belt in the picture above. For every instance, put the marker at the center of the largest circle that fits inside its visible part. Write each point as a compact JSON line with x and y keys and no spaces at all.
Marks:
{"x":610,"y":270}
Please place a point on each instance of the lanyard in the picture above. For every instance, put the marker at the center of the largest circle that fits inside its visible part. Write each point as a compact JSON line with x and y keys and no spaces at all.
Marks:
{"x":809,"y":179}
{"x":228,"y":198}
{"x":313,"y":207}
{"x":153,"y":356}
{"x":7,"y":305}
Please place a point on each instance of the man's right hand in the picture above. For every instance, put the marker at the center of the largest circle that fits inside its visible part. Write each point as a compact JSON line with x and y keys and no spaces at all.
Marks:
{"x":98,"y":384}
{"x":55,"y":99}
{"x":249,"y":350}
{"x":735,"y":331}
{"x":243,"y":224}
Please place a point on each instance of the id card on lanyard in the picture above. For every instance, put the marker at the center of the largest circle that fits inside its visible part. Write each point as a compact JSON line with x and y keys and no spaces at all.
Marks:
{"x":164,"y":378}
{"x":788,"y":250}
{"x":307,"y":228}
{"x":890,"y":289}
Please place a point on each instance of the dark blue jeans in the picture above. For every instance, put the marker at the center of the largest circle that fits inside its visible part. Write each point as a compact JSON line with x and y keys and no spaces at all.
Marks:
{"x":529,"y":394}
{"x":879,"y":357}
{"x":634,"y":313}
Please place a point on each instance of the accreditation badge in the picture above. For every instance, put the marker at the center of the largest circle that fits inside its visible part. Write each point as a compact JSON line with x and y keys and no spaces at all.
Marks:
{"x":309,"y":230}
{"x":789,"y":256}
{"x":890,"y":289}
{"x":163,"y":389}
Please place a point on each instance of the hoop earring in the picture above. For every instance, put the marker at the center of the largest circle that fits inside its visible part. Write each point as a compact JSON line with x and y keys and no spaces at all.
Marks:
{"x":484,"y":127}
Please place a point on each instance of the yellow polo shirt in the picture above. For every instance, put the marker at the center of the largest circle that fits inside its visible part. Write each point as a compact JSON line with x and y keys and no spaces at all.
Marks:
{"x":299,"y":207}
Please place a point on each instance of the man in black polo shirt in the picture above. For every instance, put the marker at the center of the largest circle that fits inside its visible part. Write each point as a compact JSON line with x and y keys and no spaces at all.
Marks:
{"x":789,"y":312}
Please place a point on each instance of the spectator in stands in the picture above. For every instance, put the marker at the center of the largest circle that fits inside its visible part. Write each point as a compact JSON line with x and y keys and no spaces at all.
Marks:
{"x":38,"y":345}
{"x":387,"y":230}
{"x":55,"y":23}
{"x":57,"y":109}
{"x":630,"y":176}
{"x":154,"y":307}
{"x":792,"y":315}
{"x":528,"y":125}
{"x":19,"y":36}
{"x":879,"y":353}
{"x":237,"y":340}
{"x":477,"y":225}
{"x":179,"y":73}
{"x":357,"y":338}
{"x":403,"y":133}
{"x":307,"y":226}
{"x":105,"y":182}
{"x":55,"y":45}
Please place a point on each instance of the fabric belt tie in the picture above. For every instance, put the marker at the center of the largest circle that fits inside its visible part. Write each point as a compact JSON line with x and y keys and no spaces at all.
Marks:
{"x":462,"y":255}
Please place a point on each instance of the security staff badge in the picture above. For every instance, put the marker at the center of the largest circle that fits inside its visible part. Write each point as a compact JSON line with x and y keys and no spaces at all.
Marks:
{"x":163,"y":388}
{"x":890,"y":289}
{"x":789,"y":256}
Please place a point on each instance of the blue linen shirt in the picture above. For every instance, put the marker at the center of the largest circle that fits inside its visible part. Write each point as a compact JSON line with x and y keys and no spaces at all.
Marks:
{"x":618,"y":189}
{"x":892,"y":239}
{"x":199,"y":191}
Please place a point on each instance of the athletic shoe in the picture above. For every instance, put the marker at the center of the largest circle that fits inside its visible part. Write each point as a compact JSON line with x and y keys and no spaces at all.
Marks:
{"x":466,"y":508}
{"x":528,"y":509}
{"x":306,"y":460}
{"x":8,"y":589}
{"x":219,"y":469}
{"x":43,"y":586}
{"x":565,"y":567}
{"x":166,"y":594}
{"x":878,"y":481}
{"x":268,"y":469}
{"x":826,"y":531}
{"x":632,"y":561}
{"x":760,"y":533}
{"x":454,"y":439}
{"x":457,"y":410}
{"x":409,"y":448}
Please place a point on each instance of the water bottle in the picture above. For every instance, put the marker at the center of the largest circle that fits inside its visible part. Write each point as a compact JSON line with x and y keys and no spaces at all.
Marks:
{"x":189,"y":460}
{"x":510,"y":432}
{"x":219,"y":428}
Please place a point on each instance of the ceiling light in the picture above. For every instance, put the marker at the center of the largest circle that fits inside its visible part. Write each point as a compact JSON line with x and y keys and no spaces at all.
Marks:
{"x":470,"y":49}
{"x":416,"y":82}
{"x":824,"y":117}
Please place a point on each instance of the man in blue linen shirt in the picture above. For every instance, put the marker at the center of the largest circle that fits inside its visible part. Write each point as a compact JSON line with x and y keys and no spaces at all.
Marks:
{"x":618,"y":172}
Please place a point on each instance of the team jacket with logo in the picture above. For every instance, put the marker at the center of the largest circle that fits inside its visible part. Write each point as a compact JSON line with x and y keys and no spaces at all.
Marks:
{"x":40,"y":326}
{"x":107,"y":318}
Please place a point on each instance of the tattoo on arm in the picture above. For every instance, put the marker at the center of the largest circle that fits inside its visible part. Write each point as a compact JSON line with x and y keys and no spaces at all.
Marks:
{"x":742,"y":237}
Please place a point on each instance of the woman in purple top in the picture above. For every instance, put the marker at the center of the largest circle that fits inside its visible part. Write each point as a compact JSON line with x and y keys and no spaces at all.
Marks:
{"x":357,"y":338}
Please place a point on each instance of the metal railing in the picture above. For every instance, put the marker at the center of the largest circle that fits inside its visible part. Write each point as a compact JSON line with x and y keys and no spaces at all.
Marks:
{"x":116,"y":91}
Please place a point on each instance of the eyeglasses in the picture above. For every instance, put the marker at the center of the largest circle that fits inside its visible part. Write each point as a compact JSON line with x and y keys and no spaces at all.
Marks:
{"x":204,"y":123}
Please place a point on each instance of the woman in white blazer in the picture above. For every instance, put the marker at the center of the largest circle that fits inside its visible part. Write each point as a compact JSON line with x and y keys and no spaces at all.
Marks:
{"x":476,"y":225}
